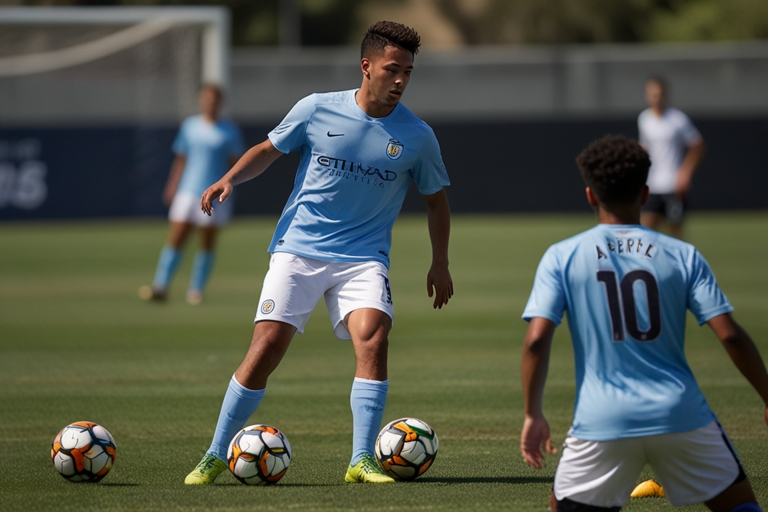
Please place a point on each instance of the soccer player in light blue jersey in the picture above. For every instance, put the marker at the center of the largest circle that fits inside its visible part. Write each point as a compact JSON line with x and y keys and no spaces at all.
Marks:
{"x":626,"y":290}
{"x":205,"y":147}
{"x":360,"y":149}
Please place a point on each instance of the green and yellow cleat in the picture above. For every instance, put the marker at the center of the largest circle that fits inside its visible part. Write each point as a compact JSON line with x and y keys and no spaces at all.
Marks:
{"x":368,"y":472}
{"x":206,"y":471}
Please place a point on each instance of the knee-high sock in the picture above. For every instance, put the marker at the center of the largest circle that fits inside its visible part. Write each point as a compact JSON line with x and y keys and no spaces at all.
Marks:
{"x":238,"y":405}
{"x":367,"y":400}
{"x":201,"y":270}
{"x":166,"y":266}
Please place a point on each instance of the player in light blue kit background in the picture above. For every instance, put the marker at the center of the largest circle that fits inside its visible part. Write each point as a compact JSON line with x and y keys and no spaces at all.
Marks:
{"x":626,"y":290}
{"x":205,"y":147}
{"x":360,"y":149}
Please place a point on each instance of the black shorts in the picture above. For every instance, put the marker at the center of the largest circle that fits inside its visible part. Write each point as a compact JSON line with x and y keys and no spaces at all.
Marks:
{"x":667,"y":205}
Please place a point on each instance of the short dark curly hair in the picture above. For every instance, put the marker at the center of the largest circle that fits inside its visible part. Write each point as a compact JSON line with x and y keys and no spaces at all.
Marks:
{"x":615,"y":168}
{"x":388,"y":33}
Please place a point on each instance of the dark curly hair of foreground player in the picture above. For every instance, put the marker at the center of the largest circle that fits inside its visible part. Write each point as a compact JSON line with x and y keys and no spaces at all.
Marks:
{"x":615,"y":168}
{"x":388,"y":33}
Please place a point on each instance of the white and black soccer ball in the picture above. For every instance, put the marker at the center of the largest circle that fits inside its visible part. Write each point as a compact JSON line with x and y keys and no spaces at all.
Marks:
{"x":83,"y":452}
{"x":259,"y":455}
{"x":406,"y":448}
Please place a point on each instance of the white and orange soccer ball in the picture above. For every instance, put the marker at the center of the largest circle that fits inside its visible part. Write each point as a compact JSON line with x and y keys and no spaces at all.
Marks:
{"x":406,"y":448}
{"x":83,"y":452}
{"x":259,"y":455}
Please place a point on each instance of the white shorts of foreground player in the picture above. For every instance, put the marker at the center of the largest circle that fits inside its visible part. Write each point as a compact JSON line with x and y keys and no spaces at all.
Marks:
{"x":693,"y":467}
{"x":294,"y":284}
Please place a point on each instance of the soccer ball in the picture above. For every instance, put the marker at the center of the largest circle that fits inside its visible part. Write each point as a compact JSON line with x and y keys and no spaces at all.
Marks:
{"x":83,"y":452}
{"x":406,"y":448}
{"x":259,"y":455}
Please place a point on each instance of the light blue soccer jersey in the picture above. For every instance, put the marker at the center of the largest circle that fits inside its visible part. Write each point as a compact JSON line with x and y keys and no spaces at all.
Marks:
{"x":207,"y":148}
{"x":626,"y":290}
{"x":352,"y":178}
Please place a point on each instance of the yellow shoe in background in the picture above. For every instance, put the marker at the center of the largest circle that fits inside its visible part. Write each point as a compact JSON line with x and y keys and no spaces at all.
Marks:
{"x":648,"y":489}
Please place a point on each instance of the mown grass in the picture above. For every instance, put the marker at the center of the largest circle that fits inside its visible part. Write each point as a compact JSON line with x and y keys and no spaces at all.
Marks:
{"x":76,"y":344}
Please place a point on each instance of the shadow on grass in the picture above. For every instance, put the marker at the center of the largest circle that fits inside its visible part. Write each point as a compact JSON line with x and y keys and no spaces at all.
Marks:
{"x":487,"y":480}
{"x":237,"y":484}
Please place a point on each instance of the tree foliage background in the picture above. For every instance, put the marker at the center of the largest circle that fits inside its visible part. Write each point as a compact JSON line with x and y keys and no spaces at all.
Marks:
{"x":336,"y":22}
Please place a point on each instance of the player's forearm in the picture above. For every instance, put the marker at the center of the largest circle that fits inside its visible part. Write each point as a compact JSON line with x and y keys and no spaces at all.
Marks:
{"x":253,"y":163}
{"x":743,"y":352}
{"x":693,"y":158}
{"x":747,"y":359}
{"x":535,"y":364}
{"x":439,"y":221}
{"x":177,"y":168}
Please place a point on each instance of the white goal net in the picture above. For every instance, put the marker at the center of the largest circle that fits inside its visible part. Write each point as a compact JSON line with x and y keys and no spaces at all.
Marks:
{"x":90,"y":99}
{"x":113,"y":65}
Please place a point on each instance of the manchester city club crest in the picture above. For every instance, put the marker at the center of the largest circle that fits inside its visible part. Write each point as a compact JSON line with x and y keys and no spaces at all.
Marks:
{"x":267,"y":306}
{"x":394,"y":149}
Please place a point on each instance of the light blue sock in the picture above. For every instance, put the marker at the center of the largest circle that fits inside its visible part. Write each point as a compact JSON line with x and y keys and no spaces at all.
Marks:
{"x":238,"y":405}
{"x":166,"y":266}
{"x":367,"y":400}
{"x":201,"y":270}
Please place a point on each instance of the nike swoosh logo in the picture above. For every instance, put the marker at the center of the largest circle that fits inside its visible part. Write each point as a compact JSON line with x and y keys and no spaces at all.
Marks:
{"x":335,"y":134}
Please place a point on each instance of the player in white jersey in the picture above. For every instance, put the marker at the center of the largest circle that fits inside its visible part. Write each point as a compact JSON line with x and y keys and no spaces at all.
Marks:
{"x":626,"y":290}
{"x":205,"y":147}
{"x":676,"y":149}
{"x":360,"y":149}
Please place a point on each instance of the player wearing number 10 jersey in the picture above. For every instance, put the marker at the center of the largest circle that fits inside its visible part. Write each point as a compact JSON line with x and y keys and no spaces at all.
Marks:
{"x":626,"y":290}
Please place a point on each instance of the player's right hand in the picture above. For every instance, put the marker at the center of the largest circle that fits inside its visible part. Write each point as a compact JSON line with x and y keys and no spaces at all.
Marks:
{"x":535,"y":436}
{"x":221,"y":190}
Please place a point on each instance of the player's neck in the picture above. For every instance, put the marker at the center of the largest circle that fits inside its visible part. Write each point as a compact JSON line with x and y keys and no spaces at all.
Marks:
{"x":210,"y":118}
{"x":618,"y":217}
{"x":369,"y":104}
{"x":659,"y":110}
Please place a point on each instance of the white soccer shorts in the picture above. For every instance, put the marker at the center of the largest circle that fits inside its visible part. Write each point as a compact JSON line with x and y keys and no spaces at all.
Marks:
{"x":186,"y":208}
{"x":294,"y":284}
{"x":693,"y":467}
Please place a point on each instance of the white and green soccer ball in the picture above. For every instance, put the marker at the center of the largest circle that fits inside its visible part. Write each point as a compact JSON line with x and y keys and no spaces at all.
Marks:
{"x":406,"y":448}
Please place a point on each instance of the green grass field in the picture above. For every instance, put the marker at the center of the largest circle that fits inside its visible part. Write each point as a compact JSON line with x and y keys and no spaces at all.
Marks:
{"x":77,"y":344}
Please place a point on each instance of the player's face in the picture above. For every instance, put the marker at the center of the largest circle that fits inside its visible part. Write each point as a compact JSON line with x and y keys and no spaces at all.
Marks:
{"x":388,"y":74}
{"x":655,"y":96}
{"x":210,"y":103}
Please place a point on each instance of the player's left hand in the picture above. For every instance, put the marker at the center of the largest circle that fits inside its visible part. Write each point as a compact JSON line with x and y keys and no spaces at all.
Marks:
{"x":439,"y":284}
{"x":535,"y":436}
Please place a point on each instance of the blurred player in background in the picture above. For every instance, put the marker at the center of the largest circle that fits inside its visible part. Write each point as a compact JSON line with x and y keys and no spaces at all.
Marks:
{"x":205,"y":148}
{"x":626,"y":290}
{"x":360,"y":149}
{"x":676,"y":149}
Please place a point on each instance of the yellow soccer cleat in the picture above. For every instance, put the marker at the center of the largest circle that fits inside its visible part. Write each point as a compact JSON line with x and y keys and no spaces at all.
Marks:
{"x":648,"y":489}
{"x":206,"y":471}
{"x":368,"y":472}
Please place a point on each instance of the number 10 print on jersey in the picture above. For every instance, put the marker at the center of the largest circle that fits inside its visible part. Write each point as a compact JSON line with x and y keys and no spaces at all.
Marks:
{"x":626,"y":294}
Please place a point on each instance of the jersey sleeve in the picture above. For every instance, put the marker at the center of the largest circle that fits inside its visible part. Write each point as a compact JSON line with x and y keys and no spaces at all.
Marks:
{"x":547,"y":298}
{"x":688,"y":131}
{"x":429,"y":172}
{"x":181,"y":142}
{"x":290,"y":134}
{"x":705,"y":299}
